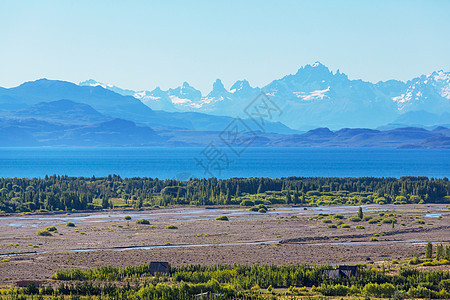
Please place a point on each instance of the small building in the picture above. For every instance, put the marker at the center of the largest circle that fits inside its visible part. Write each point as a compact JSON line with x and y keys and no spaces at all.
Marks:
{"x":342,"y":272}
{"x":26,"y":283}
{"x":159,"y":267}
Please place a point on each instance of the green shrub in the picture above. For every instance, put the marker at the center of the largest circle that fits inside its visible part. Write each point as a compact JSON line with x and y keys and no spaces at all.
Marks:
{"x":262,"y":210}
{"x":44,"y":233}
{"x":333,"y":290}
{"x":143,"y":221}
{"x":171,"y":227}
{"x":383,"y":290}
{"x":127,"y":218}
{"x":222,"y":218}
{"x":360,"y":227}
{"x":51,"y":228}
{"x":70,"y":224}
{"x":373,"y":221}
{"x":419,"y":222}
{"x":388,"y":220}
{"x":332,"y":226}
{"x":344,"y":226}
{"x":444,"y":284}
{"x":367,"y":218}
{"x":327,"y":221}
{"x":355,"y":219}
{"x":247,"y":203}
{"x":374,"y":239}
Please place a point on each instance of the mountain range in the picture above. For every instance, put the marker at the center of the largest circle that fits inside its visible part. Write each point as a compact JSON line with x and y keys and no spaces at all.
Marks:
{"x":322,"y":108}
{"x":316,"y":97}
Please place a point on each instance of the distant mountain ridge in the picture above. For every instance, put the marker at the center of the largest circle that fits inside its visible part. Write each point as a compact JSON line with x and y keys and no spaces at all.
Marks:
{"x":123,"y":133}
{"x":340,"y":113}
{"x":36,"y":99}
{"x":315,"y":97}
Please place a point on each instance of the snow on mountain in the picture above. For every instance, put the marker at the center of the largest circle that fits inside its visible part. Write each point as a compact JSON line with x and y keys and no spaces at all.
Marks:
{"x":312,"y":97}
{"x":428,"y":92}
{"x":118,"y":90}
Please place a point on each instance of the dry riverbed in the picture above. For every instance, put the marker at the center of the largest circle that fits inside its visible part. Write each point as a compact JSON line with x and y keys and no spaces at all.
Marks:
{"x":283,"y":235}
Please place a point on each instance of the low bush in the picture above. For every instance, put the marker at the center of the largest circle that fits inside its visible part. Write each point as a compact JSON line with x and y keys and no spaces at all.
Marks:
{"x":44,"y":233}
{"x":70,"y":224}
{"x":383,"y":290}
{"x":360,"y":227}
{"x":171,"y":227}
{"x":51,"y":228}
{"x":355,"y":219}
{"x":389,"y":220}
{"x":222,"y":218}
{"x":127,"y":218}
{"x":247,"y":203}
{"x":143,"y":221}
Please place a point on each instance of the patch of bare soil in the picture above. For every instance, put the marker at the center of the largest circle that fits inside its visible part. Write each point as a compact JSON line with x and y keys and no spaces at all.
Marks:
{"x":282,"y":236}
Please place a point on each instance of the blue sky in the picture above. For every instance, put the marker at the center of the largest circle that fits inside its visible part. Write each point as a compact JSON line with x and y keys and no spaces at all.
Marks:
{"x":144,"y":44}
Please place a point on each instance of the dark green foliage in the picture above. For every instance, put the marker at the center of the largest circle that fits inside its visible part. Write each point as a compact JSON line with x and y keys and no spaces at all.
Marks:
{"x":105,"y":202}
{"x":231,"y":280}
{"x":360,"y":213}
{"x":440,"y":252}
{"x":70,"y":224}
{"x":143,"y":221}
{"x":429,"y":251}
{"x":222,"y":218}
{"x":66,"y":193}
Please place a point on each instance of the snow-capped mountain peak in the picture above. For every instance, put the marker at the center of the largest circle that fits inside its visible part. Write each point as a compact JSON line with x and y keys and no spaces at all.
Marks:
{"x":108,"y":86}
{"x":240,"y":85}
{"x":185,"y":93}
{"x":312,"y":97}
{"x":317,"y":64}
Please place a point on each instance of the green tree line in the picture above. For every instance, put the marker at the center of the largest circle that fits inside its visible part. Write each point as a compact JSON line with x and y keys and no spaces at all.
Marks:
{"x":82,"y":193}
{"x":230,"y":281}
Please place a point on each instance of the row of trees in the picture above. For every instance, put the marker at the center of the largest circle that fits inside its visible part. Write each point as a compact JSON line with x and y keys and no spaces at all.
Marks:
{"x":232,"y":279}
{"x":79,"y":193}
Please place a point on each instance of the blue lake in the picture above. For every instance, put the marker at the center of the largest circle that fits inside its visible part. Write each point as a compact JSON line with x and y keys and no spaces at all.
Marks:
{"x":182,"y":163}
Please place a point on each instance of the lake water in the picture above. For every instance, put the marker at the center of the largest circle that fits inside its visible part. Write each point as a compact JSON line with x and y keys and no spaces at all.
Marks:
{"x":182,"y":163}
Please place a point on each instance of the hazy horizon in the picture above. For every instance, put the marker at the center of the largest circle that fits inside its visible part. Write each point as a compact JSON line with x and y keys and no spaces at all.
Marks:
{"x":143,"y":45}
